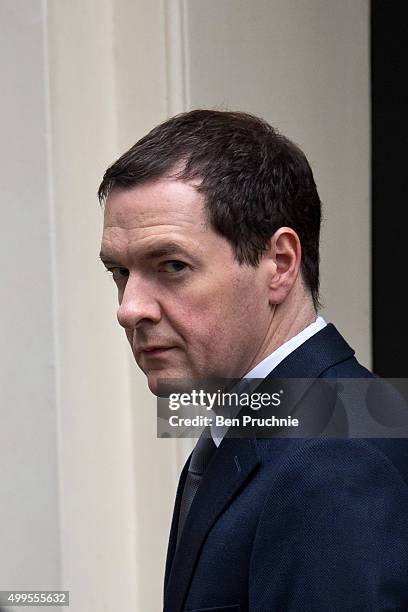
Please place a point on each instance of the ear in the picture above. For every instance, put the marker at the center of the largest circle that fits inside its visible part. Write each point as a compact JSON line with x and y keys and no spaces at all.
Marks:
{"x":286,"y":254}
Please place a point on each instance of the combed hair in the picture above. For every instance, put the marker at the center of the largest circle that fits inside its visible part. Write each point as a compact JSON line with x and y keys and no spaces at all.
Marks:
{"x":254,"y":180}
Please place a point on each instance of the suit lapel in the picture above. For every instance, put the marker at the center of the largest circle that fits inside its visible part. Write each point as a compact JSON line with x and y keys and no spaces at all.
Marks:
{"x":171,"y":549}
{"x":232,"y":464}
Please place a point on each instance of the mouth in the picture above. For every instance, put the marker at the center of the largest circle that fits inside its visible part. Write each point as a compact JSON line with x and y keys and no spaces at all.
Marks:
{"x":151,"y":352}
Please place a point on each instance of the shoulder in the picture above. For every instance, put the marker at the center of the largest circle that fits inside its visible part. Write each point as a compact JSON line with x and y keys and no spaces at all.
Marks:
{"x":348,"y":368}
{"x":332,"y":531}
{"x":349,"y":490}
{"x":320,"y":468}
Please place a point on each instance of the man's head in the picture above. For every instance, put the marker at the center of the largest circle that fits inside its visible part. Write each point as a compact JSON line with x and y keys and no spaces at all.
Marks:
{"x":208,"y":219}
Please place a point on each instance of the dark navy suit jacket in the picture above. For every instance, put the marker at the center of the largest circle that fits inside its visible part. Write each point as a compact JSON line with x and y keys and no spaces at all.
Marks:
{"x":296,"y":524}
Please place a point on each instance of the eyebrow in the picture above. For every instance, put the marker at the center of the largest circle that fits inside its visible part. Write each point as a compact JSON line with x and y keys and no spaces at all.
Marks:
{"x":167,"y":249}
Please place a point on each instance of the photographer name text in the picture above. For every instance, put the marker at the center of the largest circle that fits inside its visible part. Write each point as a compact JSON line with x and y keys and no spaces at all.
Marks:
{"x":222,"y":421}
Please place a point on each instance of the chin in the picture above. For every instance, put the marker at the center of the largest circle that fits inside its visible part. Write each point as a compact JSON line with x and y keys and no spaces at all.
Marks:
{"x":156,"y":381}
{"x":163,"y":382}
{"x":153,"y":388}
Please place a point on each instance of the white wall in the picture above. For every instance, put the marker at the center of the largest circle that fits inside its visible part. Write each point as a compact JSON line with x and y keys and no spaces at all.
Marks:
{"x":98,"y":519}
{"x":29,"y":501}
{"x":87,"y":489}
{"x":304,"y":67}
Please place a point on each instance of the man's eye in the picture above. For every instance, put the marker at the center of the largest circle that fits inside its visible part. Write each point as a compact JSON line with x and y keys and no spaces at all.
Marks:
{"x":172,"y":267}
{"x":118,"y":273}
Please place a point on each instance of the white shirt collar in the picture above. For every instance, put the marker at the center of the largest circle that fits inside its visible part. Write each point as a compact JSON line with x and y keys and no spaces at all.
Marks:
{"x":268,"y":364}
{"x":265,"y":367}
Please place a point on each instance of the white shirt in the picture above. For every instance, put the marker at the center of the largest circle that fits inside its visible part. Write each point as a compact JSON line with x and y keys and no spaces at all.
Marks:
{"x":265,"y":367}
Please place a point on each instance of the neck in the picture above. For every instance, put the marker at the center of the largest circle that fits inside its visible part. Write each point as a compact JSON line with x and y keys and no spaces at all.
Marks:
{"x":288,"y":319}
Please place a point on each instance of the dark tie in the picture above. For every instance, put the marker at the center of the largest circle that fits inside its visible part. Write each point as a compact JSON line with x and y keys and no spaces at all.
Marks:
{"x":200,"y":459}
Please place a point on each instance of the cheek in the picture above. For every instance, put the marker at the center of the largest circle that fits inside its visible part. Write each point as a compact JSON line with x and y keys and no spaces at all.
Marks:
{"x":218,"y":315}
{"x":216,"y":318}
{"x":244,"y":314}
{"x":201,"y":323}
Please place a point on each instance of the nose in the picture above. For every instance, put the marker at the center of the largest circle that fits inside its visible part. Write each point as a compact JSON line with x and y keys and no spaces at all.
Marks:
{"x":138,"y":302}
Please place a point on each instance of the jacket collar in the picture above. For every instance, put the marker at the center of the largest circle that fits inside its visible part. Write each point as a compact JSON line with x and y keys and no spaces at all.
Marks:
{"x":320,"y":352}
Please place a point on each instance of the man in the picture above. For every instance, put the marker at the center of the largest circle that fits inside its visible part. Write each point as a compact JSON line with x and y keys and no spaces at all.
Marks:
{"x":211,"y":233}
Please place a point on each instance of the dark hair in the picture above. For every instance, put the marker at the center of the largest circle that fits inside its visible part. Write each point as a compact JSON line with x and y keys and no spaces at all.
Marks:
{"x":254,"y":180}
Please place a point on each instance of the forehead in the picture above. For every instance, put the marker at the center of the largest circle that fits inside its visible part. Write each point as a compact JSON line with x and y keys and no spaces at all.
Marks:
{"x":158,"y":212}
{"x":154,"y":203}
